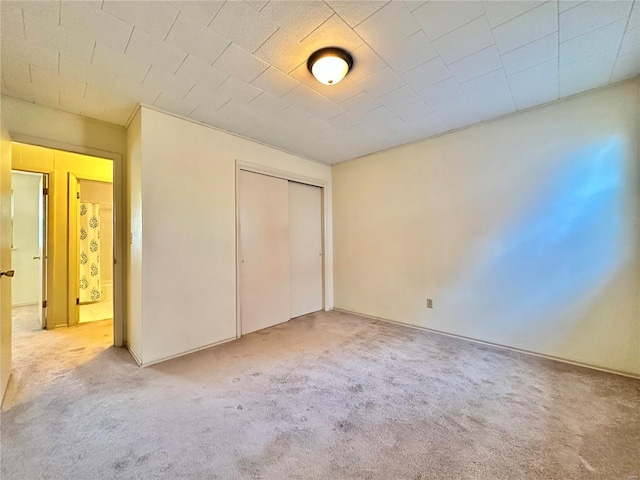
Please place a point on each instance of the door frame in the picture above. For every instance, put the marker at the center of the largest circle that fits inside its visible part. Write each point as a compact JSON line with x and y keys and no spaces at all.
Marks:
{"x":242,"y":165}
{"x":119,"y":222}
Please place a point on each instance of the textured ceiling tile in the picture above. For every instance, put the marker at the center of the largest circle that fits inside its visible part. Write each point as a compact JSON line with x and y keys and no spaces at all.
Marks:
{"x":238,"y":91}
{"x":427,"y":74}
{"x":564,"y":5}
{"x":398,"y":98}
{"x":303,"y":97}
{"x":347,"y":120}
{"x":88,"y":73}
{"x":283,"y":51}
{"x":23,"y":91}
{"x":243,"y":25}
{"x":47,"y":95}
{"x":15,"y":71}
{"x":266,"y":102}
{"x":332,"y":31}
{"x":293,"y":115}
{"x":381,"y":82}
{"x":206,"y":99}
{"x":142,"y":93}
{"x":486,"y":84}
{"x":41,"y":76}
{"x":96,"y":94}
{"x":275,"y":82}
{"x":440,"y":91}
{"x":410,"y":53}
{"x":42,"y":31}
{"x":388,"y":26}
{"x":46,"y":9}
{"x":84,"y":19}
{"x":361,"y":103}
{"x":634,"y":18}
{"x":531,"y":26}
{"x":532,"y":54}
{"x":471,"y":38}
{"x":240,"y":63}
{"x":29,"y":52}
{"x":438,"y":18}
{"x":168,"y":83}
{"x":325,"y":109}
{"x":413,"y":5}
{"x":195,"y":70}
{"x":149,"y":49}
{"x":108,"y":59}
{"x":201,"y":11}
{"x":529,"y":78}
{"x":298,"y":18}
{"x":476,"y":65}
{"x":208,"y":116}
{"x":631,"y":43}
{"x":626,"y":66}
{"x":192,"y":37}
{"x":11,"y":22}
{"x":596,"y":41}
{"x":354,"y":12}
{"x":536,"y":95}
{"x":499,"y":12}
{"x":493,"y":104}
{"x":586,"y":73}
{"x":414,"y":112}
{"x":175,"y":105}
{"x":153,"y":17}
{"x":591,"y":15}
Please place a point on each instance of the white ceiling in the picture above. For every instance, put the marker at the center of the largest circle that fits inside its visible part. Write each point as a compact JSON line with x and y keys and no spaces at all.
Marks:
{"x":421,"y":68}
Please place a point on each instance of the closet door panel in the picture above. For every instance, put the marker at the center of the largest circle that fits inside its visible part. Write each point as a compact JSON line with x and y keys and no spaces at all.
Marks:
{"x":264,"y":251}
{"x":305,"y":238}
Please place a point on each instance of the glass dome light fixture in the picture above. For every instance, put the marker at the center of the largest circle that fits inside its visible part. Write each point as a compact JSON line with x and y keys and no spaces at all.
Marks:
{"x":330,"y":65}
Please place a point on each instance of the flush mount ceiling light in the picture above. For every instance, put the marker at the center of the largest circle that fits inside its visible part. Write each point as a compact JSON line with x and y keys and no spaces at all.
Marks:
{"x":330,"y":65}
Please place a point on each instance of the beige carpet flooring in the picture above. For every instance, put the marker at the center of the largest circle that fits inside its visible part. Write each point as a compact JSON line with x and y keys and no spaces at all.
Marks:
{"x":326,"y":396}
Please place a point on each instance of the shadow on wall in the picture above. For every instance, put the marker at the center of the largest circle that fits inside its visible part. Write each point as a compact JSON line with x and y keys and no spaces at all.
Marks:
{"x":557,"y":255}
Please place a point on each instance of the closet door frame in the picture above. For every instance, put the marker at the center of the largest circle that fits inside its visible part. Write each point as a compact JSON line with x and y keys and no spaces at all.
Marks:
{"x":242,"y":165}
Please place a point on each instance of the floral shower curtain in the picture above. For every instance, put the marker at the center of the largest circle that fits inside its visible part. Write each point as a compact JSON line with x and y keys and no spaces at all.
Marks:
{"x":90,"y":290}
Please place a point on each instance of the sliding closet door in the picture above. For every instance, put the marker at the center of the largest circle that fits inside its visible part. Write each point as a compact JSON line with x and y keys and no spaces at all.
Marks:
{"x":305,"y":238}
{"x":264,"y":251}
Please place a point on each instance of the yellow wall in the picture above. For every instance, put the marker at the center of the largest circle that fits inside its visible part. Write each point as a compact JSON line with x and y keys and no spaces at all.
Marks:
{"x":58,"y":164}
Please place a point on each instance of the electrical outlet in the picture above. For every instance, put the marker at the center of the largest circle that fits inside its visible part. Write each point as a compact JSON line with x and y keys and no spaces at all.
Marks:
{"x":429,"y":303}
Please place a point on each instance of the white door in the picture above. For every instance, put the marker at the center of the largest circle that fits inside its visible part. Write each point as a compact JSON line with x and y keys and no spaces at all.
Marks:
{"x":264,"y":251}
{"x":25,"y":242}
{"x":305,"y":239}
{"x":5,"y":261}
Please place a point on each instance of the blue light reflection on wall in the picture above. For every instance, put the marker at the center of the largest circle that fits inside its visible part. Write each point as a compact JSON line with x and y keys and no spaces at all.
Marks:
{"x":558,"y":252}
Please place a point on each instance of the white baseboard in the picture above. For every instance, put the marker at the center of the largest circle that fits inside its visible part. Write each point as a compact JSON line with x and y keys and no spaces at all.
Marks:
{"x":134,"y":355}
{"x":170,"y":357}
{"x":497,"y":345}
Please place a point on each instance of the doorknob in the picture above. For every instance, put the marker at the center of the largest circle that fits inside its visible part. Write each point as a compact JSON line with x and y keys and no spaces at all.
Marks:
{"x":8,"y":273}
{"x":36,"y":258}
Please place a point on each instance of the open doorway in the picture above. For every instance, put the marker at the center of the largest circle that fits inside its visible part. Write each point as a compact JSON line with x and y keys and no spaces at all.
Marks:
{"x":93,"y":250}
{"x":28,"y":250}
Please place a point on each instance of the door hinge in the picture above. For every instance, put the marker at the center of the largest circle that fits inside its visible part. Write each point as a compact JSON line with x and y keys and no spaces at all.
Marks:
{"x":44,"y":304}
{"x":78,"y":195}
{"x":77,"y":301}
{"x":45,"y":191}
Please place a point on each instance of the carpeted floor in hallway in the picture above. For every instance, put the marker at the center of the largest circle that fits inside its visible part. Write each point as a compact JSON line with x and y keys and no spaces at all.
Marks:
{"x":326,"y":396}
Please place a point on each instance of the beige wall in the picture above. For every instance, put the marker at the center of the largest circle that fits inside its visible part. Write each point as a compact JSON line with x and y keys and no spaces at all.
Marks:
{"x":134,"y":237}
{"x":524,"y":231}
{"x":188,"y":182}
